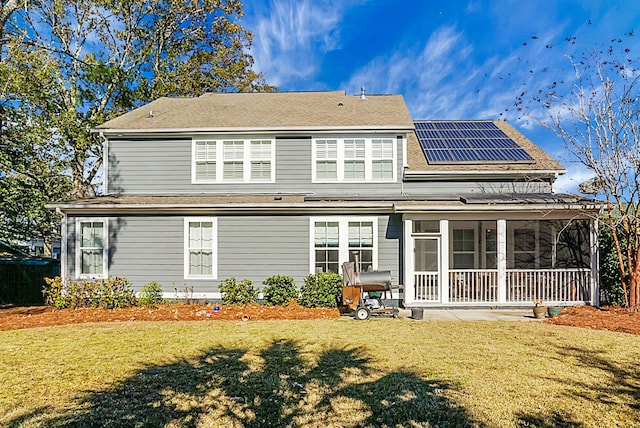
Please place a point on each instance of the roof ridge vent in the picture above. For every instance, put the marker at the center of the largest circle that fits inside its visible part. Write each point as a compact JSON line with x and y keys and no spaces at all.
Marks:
{"x":363,"y":97}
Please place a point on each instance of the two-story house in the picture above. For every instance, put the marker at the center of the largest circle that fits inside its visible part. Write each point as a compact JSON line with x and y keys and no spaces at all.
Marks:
{"x":257,"y":184}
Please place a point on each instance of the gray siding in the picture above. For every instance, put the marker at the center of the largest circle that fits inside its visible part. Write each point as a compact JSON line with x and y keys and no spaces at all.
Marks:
{"x":164,"y":167}
{"x":151,"y":248}
{"x":149,"y":166}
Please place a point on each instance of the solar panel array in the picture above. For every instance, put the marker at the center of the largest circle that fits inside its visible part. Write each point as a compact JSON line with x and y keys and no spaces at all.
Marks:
{"x":468,"y":142}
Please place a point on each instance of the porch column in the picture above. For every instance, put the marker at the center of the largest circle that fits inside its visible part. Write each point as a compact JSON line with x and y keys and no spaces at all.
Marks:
{"x":502,"y":259}
{"x":409,"y":277}
{"x":595,"y":263}
{"x":444,"y":261}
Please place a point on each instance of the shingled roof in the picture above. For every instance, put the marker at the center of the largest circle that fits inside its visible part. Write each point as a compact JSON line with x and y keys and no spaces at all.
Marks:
{"x":266,"y":111}
{"x":541,"y":160}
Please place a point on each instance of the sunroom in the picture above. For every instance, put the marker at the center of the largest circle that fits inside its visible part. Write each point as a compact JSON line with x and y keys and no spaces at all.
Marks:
{"x":500,"y":259}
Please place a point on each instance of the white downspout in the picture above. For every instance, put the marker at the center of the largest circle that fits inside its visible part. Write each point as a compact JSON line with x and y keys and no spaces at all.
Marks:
{"x":63,"y":246}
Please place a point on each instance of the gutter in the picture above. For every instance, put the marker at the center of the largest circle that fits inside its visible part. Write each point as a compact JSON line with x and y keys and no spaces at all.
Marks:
{"x":422,"y":208}
{"x":459,"y":175}
{"x":253,"y":130}
{"x":225,"y":208}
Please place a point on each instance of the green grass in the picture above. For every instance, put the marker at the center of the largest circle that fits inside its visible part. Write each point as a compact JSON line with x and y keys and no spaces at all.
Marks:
{"x":319,"y":373}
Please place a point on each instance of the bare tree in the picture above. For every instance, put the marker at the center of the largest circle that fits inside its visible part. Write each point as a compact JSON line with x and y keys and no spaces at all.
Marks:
{"x":596,"y":113}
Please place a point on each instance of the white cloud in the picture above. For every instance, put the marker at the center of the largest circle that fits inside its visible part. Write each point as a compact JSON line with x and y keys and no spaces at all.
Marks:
{"x":291,"y":39}
{"x":576,"y":174}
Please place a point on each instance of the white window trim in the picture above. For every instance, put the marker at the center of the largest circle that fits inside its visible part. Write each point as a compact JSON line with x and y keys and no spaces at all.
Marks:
{"x":368,"y":160}
{"x":246,"y":161}
{"x":105,"y":248}
{"x":214,"y":234}
{"x":343,"y":239}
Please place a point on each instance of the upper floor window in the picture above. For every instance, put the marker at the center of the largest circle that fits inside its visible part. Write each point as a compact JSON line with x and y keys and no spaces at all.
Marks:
{"x":354,"y":159}
{"x":233,"y":160}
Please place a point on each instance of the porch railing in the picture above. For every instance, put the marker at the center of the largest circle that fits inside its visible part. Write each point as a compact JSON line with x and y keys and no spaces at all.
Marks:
{"x":427,"y":287}
{"x":549,"y":285}
{"x":522,"y":286}
{"x":473,"y":286}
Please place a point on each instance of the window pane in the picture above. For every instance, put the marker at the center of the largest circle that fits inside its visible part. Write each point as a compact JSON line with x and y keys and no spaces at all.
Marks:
{"x":426,"y":226}
{"x":354,"y":170}
{"x":233,"y":171}
{"x":194,"y":235}
{"x":326,"y":149}
{"x":382,"y":169}
{"x":426,"y":255}
{"x":91,"y":234}
{"x":206,"y":234}
{"x":261,"y":150}
{"x":91,"y":262}
{"x":463,"y":261}
{"x":382,"y":148}
{"x":360,"y":234}
{"x":365,"y":257}
{"x":326,"y":234}
{"x":326,"y":170}
{"x":206,"y":170}
{"x":233,"y":150}
{"x":261,"y":170}
{"x":354,"y":149}
{"x":205,"y":150}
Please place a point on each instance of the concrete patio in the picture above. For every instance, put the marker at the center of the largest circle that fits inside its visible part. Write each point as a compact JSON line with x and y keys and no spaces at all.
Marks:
{"x":472,"y":315}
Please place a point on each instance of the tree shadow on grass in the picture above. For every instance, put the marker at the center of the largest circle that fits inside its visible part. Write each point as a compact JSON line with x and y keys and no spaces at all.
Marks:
{"x":623,"y":386}
{"x":276,"y":387}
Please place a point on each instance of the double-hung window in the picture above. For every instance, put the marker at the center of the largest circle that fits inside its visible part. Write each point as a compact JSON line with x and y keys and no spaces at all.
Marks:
{"x":91,"y":248}
{"x":354,"y":160}
{"x":336,"y":240}
{"x":326,"y":160}
{"x":360,"y":159}
{"x":382,"y":159}
{"x":200,"y":248}
{"x":235,"y":160}
{"x":260,"y":160}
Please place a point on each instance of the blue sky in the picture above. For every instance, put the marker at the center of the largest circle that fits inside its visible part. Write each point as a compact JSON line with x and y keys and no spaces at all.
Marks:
{"x":454,"y":59}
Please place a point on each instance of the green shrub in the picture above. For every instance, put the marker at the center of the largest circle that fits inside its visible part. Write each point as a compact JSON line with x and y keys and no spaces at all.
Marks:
{"x":112,"y":293}
{"x":55,"y":293}
{"x":279,"y":290}
{"x":321,"y":290}
{"x":238,"y":293}
{"x":151,"y":294}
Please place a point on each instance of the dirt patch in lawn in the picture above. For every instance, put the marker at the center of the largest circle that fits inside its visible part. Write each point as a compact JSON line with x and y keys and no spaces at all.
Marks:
{"x":12,"y":318}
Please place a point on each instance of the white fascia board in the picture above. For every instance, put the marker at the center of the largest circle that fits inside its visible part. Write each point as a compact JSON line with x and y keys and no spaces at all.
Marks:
{"x":226,"y":208}
{"x":421,"y":208}
{"x":465,"y":175}
{"x":244,"y":130}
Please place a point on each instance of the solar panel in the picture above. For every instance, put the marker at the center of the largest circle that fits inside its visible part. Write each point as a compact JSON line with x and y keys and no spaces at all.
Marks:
{"x":468,"y":142}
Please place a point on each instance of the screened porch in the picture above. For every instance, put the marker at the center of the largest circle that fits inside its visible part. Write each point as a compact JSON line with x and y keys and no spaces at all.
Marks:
{"x":501,"y":262}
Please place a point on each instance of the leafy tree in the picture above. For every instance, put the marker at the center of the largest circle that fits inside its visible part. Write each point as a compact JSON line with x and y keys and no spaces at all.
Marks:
{"x":69,"y":65}
{"x":595,"y":110}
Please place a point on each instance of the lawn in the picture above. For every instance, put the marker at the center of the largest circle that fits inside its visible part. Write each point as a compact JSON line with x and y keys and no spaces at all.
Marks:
{"x":325,"y":373}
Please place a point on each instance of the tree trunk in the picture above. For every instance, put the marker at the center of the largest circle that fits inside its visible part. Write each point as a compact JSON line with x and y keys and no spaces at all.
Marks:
{"x":634,"y":289}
